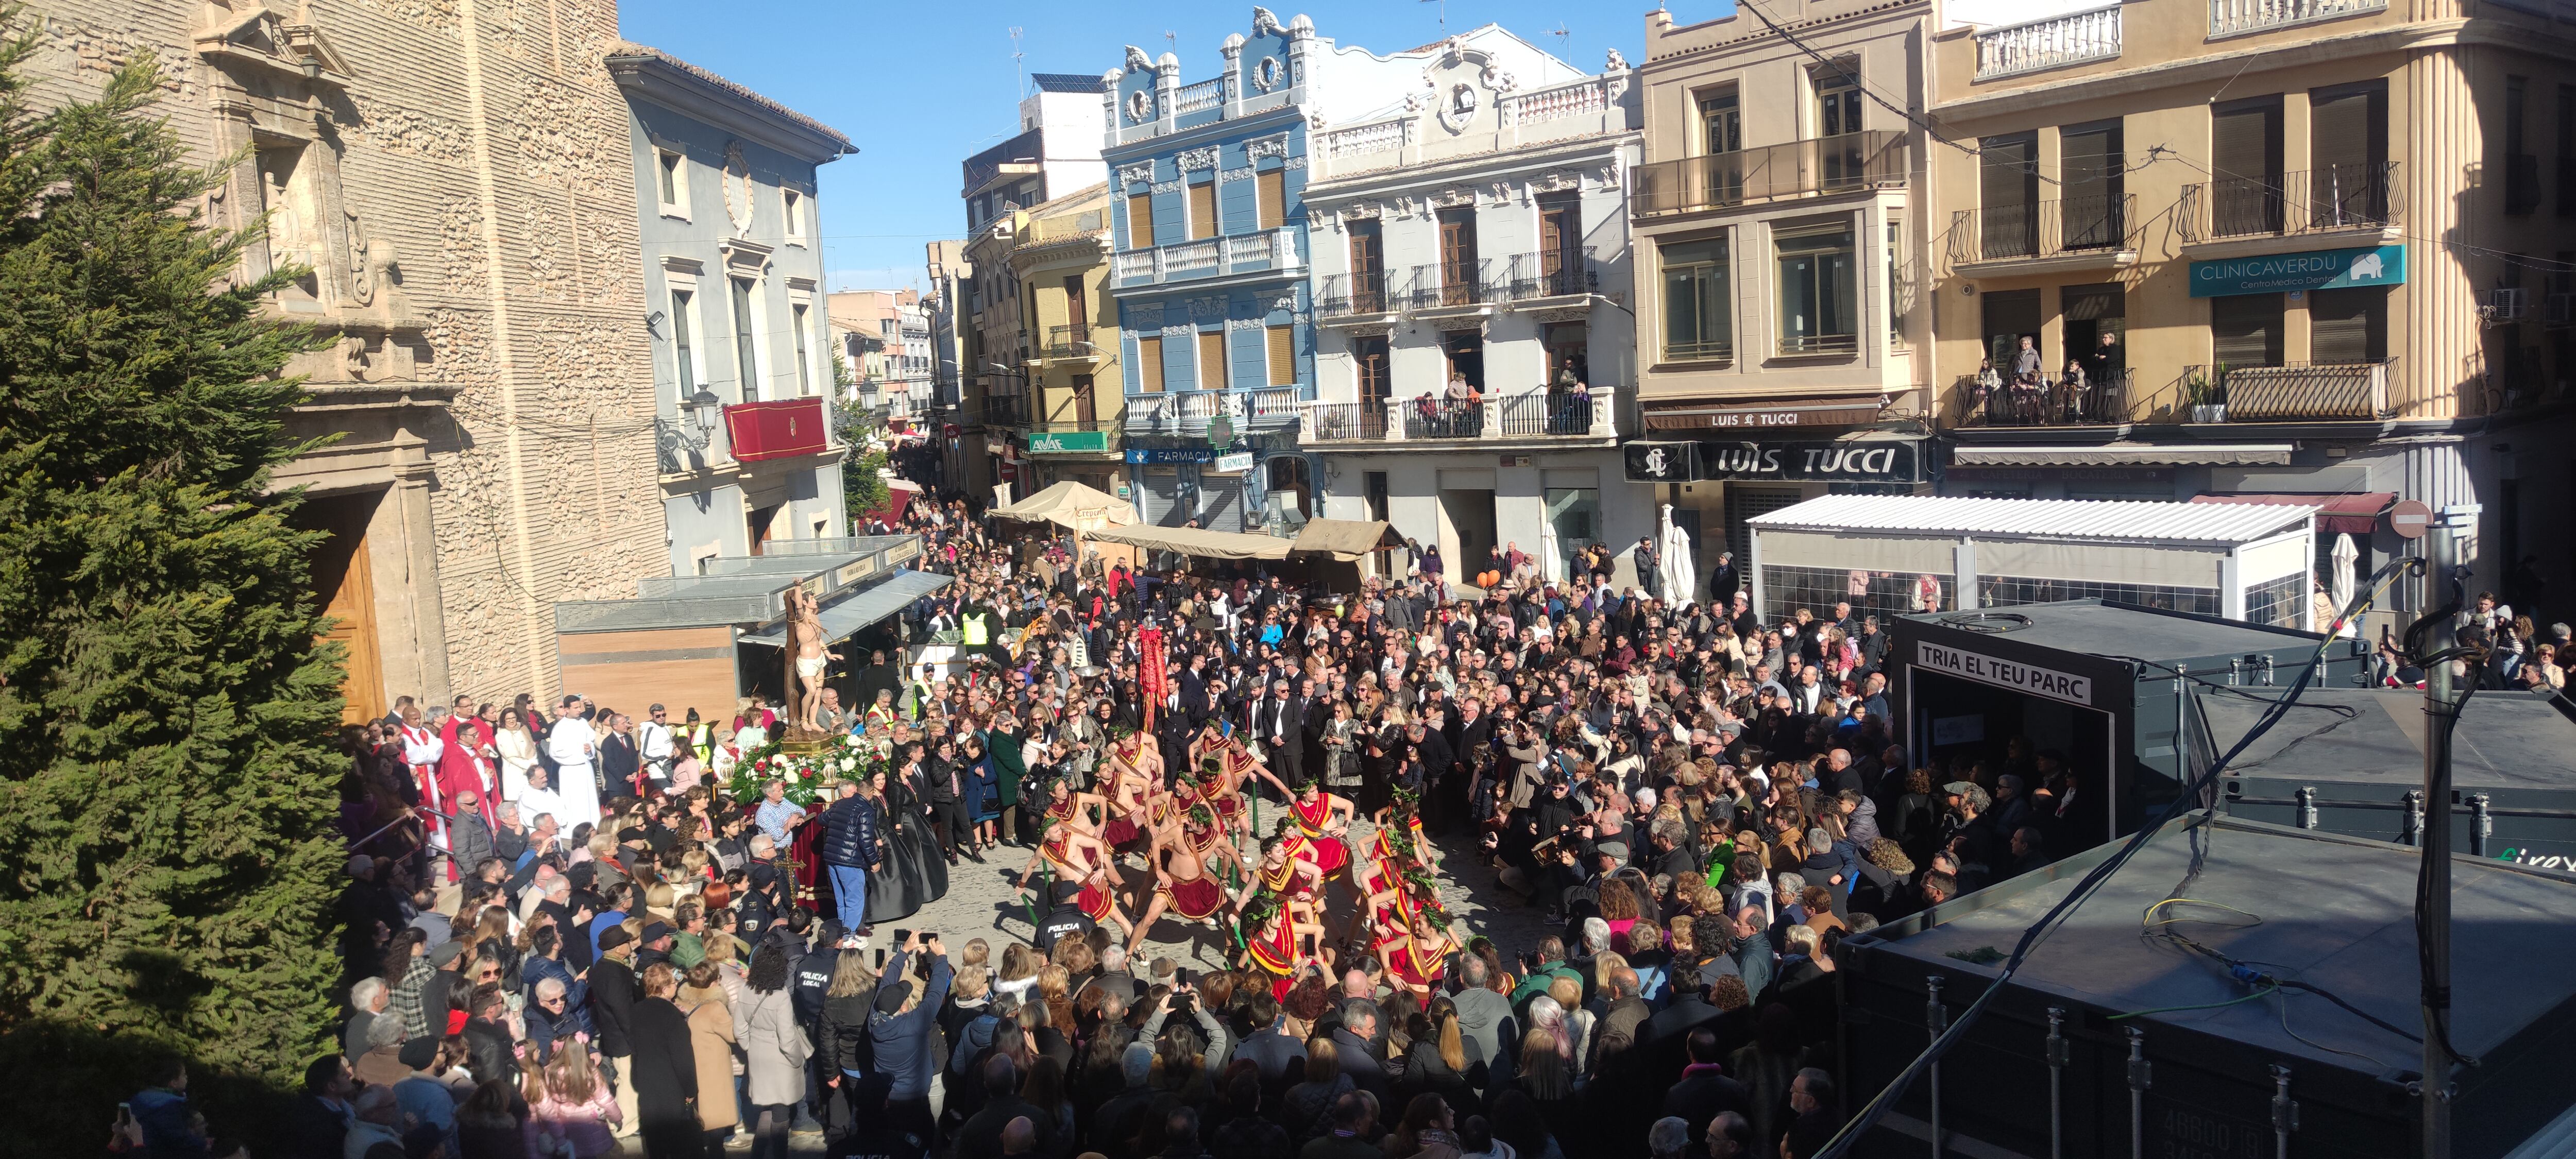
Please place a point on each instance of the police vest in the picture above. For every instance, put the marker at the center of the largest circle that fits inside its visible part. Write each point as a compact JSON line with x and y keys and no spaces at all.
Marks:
{"x":978,"y":632}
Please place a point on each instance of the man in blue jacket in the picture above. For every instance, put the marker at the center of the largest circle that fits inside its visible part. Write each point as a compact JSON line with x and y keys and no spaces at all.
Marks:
{"x":850,"y":849}
{"x":900,"y":1030}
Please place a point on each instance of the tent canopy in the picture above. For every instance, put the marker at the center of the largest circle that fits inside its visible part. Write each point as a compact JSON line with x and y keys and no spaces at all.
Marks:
{"x":1345,"y":540}
{"x":1071,"y":504}
{"x":1196,"y":542}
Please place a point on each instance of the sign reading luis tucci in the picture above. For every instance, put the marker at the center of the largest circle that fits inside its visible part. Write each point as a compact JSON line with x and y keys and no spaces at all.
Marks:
{"x":1855,"y":460}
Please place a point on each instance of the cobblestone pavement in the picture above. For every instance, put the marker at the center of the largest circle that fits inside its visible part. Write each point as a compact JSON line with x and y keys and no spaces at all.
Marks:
{"x":981,"y":903}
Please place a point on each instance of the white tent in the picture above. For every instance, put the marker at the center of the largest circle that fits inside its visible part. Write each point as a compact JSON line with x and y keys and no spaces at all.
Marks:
{"x":2341,"y":583}
{"x":1551,"y":553}
{"x":1678,"y":573}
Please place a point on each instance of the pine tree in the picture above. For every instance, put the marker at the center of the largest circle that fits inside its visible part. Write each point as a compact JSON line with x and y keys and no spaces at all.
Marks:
{"x":167,"y":856}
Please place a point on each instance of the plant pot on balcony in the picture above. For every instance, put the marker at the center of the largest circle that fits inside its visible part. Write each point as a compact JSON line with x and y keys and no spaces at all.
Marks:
{"x":2209,"y":412}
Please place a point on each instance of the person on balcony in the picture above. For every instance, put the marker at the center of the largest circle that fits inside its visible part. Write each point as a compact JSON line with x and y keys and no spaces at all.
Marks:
{"x":2074,"y":399}
{"x":1458,"y":406}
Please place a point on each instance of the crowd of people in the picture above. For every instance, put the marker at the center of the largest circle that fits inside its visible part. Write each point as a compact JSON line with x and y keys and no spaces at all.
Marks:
{"x":562,"y":935}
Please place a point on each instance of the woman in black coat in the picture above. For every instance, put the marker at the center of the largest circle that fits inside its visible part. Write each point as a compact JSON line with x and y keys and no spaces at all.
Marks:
{"x":664,"y":1069}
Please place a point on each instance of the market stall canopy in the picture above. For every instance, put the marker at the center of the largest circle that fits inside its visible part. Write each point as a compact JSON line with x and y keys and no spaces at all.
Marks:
{"x":1196,"y":542}
{"x":1345,"y":540}
{"x":858,"y":611}
{"x":1071,"y":504}
{"x":2353,"y":514}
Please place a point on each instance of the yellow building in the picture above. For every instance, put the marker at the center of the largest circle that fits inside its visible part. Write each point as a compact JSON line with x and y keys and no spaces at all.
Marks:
{"x":2305,"y":248}
{"x":1066,"y":418}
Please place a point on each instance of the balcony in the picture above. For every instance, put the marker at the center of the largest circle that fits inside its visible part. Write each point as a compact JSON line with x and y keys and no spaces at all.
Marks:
{"x":1552,"y":274}
{"x":776,"y":430}
{"x":2521,"y":183}
{"x":2056,"y":42}
{"x":2101,"y":403}
{"x":1271,"y":251}
{"x":1006,"y":410}
{"x":1359,"y":296}
{"x":2075,"y":232}
{"x":1535,"y":415}
{"x":2339,"y":197}
{"x":2296,"y":392}
{"x":1813,"y":167}
{"x":1019,"y":155}
{"x":1070,"y":344}
{"x":1461,"y":286}
{"x":1186,"y":412}
{"x":2236,"y":17}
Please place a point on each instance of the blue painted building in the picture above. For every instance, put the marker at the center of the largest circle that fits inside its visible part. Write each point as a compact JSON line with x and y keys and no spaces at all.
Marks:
{"x":1209,"y":277}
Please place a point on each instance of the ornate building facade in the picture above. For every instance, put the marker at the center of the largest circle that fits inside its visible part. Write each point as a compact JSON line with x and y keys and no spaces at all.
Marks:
{"x":456,"y":178}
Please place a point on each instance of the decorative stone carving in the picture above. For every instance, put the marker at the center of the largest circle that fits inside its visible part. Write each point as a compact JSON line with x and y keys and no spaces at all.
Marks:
{"x":1502,"y":193}
{"x":1617,"y":62}
{"x":1274,"y":145}
{"x":1610,"y":176}
{"x":1140,"y":105}
{"x":1137,"y":61}
{"x":1172,"y":186}
{"x":1140,"y":173}
{"x":1563,"y":314}
{"x":1145,"y":317}
{"x":1368,"y":329}
{"x":1555,"y":181}
{"x":1294,"y":163}
{"x":1453,"y":197}
{"x":1458,"y":107}
{"x":738,"y":189}
{"x":1243,"y":174}
{"x":1284,"y":304}
{"x":1266,"y":74}
{"x":1204,"y":157}
{"x":1242,"y":325}
{"x":1315,"y":121}
{"x":1263,"y":23}
{"x":1204,"y":309}
{"x":1178,"y":329}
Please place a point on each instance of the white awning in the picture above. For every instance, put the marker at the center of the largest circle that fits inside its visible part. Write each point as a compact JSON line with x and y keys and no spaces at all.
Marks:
{"x":2126,"y":455}
{"x":2112,"y":521}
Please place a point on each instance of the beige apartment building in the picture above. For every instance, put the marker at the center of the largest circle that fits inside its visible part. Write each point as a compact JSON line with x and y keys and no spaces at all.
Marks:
{"x":1779,"y":247}
{"x":2298,"y":250}
{"x":1066,"y":418}
{"x":463,"y":191}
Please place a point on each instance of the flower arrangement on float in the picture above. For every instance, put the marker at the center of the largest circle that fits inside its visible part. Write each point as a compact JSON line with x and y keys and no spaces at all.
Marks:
{"x":847,"y":757}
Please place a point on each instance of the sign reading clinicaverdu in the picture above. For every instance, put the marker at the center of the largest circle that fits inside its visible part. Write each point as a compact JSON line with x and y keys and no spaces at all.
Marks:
{"x":2314,"y":270}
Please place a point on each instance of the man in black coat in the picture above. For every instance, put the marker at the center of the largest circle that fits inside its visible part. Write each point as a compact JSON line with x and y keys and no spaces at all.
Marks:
{"x":1195,"y":703}
{"x":613,"y":995}
{"x":1704,"y":1090}
{"x":1278,"y":721}
{"x":1723,"y":582}
{"x":664,"y":1070}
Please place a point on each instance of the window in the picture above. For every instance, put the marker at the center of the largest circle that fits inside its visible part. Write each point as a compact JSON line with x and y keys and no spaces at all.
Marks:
{"x":1369,"y":359}
{"x":1838,"y":100}
{"x":2348,"y":155}
{"x":1465,"y":350}
{"x":804,"y":373}
{"x":2245,"y":161}
{"x":1569,"y":351}
{"x":2008,"y":195}
{"x":1085,"y":410}
{"x":2245,"y":330}
{"x":2091,"y":201}
{"x":1818,"y":302}
{"x":1077,"y":309}
{"x":1699,"y":318}
{"x":683,"y":342}
{"x":1721,"y":123}
{"x":1270,"y":193}
{"x":1282,"y":350}
{"x":672,"y":178}
{"x":746,"y":357}
{"x":1895,"y":283}
{"x":2010,"y":316}
{"x":1202,"y":209}
{"x":2349,"y":325}
{"x":1560,"y":247}
{"x":1149,"y":365}
{"x":1368,"y":268}
{"x":1459,"y":274}
{"x":1140,"y":221}
{"x":791,"y":207}
{"x":1212,"y":370}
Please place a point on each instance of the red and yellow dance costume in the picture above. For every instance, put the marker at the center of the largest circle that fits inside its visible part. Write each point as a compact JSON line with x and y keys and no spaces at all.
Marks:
{"x":1196,"y":897}
{"x":1276,"y":955}
{"x":1327,"y":853}
{"x":1094,"y":899}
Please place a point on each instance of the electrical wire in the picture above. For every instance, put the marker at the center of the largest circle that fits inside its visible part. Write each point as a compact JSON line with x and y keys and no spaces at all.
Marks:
{"x":1859,"y":1125}
{"x":2265,"y":992}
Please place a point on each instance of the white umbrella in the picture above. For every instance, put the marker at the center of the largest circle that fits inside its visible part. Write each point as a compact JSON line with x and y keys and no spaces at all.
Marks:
{"x":2340,"y":584}
{"x":1680,"y":576}
{"x":1551,"y":555}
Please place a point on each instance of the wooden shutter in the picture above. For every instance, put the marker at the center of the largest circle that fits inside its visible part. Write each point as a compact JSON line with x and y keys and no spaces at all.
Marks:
{"x":1283,"y":356}
{"x":1271,"y":189}
{"x":1202,"y":210}
{"x":2347,"y":326}
{"x":2007,"y":188}
{"x":1149,"y":365}
{"x":2348,"y":127}
{"x":2245,"y":139}
{"x":1212,"y":360}
{"x":1368,"y":268}
{"x":1140,"y":221}
{"x":1368,"y":355}
{"x":2245,"y":330}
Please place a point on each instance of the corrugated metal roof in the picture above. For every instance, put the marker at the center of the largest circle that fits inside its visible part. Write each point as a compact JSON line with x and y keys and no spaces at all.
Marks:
{"x":1065,"y":82}
{"x":2065,"y":518}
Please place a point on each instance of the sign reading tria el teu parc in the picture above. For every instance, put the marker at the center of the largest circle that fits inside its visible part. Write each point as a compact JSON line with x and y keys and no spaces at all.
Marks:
{"x":2001,"y":673}
{"x":2314,"y":270}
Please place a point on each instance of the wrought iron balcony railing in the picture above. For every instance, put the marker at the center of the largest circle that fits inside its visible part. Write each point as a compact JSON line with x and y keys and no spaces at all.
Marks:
{"x":2364,"y":196}
{"x":2048,"y":229}
{"x":1818,"y":165}
{"x":1552,"y":273}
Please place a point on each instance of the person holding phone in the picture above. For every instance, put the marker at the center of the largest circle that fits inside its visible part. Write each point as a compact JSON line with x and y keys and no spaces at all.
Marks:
{"x":899,"y":1031}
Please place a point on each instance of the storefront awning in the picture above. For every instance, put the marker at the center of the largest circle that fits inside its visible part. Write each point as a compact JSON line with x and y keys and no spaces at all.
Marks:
{"x":1196,"y":542}
{"x":2356,"y":514}
{"x":1739,"y":417}
{"x":849,"y":615}
{"x":2126,"y":455}
{"x":1071,"y":504}
{"x":1344,"y":539}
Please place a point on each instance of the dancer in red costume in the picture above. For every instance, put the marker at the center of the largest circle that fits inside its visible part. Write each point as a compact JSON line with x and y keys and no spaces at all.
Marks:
{"x":1296,"y":880}
{"x":1418,"y":959}
{"x":1077,"y":858}
{"x":1274,"y":943}
{"x":1184,"y":885}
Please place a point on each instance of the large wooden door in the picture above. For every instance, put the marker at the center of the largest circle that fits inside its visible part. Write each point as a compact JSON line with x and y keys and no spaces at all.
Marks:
{"x":1458,"y":272}
{"x":352,"y":610}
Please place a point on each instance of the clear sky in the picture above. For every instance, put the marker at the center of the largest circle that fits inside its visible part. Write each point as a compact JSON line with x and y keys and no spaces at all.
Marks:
{"x":920,"y":85}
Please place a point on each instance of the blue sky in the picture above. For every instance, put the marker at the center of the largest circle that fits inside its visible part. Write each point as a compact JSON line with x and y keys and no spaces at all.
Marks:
{"x":920,"y":86}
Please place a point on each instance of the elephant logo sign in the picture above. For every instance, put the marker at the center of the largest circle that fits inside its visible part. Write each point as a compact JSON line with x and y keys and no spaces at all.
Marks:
{"x":2369,"y":267}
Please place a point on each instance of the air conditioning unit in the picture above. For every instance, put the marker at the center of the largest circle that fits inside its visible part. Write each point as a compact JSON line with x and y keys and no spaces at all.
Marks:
{"x":2505,"y":306}
{"x":2560,"y":311}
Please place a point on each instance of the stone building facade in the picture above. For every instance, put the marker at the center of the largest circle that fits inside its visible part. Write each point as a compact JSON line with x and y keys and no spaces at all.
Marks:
{"x":456,"y":176}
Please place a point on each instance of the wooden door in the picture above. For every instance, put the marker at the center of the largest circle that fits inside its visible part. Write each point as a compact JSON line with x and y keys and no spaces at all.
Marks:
{"x":353,"y":626}
{"x":1457,"y":257}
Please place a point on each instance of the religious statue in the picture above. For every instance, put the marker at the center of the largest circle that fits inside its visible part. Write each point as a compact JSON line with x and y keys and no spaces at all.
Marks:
{"x":808,"y":655}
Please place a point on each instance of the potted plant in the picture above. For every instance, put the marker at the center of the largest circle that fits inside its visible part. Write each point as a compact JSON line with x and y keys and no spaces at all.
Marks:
{"x":2206,"y":394}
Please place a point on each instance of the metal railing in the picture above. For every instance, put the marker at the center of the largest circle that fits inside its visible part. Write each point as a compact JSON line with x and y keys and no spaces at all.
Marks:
{"x":2287,"y":393}
{"x":1187,"y":412}
{"x":2521,"y":182}
{"x":2047,"y":229}
{"x":2055,"y":42}
{"x":1532,"y":414}
{"x":1552,"y":273}
{"x":2229,"y":17}
{"x":1327,"y":422}
{"x":1707,"y":350}
{"x":1006,"y":410}
{"x":1344,"y":295}
{"x":1191,"y":98}
{"x":1453,"y":284}
{"x":2366,"y":196}
{"x":1270,"y":250}
{"x":1071,"y":341}
{"x":2100,"y":400}
{"x":1818,"y":165}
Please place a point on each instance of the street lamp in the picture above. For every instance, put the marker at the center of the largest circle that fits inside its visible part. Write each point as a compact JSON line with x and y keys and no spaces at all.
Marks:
{"x":702,"y":408}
